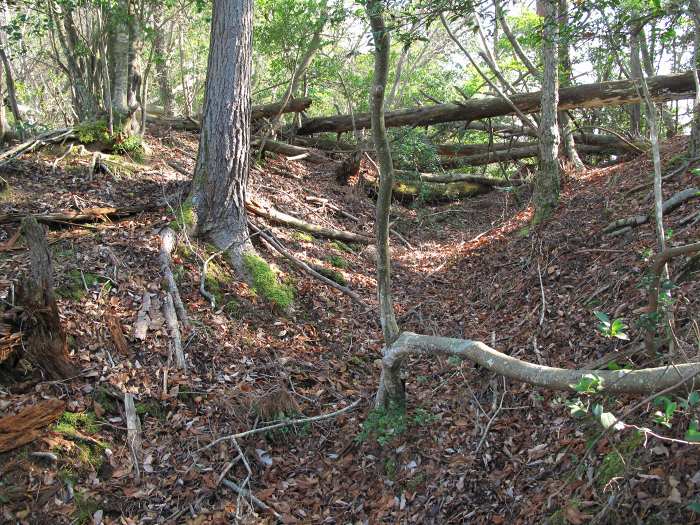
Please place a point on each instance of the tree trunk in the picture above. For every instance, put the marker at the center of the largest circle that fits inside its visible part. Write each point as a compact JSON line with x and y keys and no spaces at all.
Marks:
{"x":382,"y":43}
{"x":568,"y":141}
{"x":221,"y":173}
{"x":546,"y":191}
{"x":46,"y":343}
{"x":120,"y":61}
{"x":694,"y":143}
{"x":636,"y":73}
{"x":615,"y":93}
{"x":162,"y":70}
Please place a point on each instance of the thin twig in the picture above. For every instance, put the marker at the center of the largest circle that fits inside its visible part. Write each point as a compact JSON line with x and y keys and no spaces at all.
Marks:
{"x":493,"y":417}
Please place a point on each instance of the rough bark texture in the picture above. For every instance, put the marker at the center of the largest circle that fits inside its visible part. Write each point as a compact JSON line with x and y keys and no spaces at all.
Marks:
{"x":694,"y":144}
{"x":635,"y":74}
{"x":644,"y":381}
{"x":546,"y":191}
{"x":45,"y":340}
{"x":120,"y":60}
{"x":162,"y":55}
{"x":669,"y":87}
{"x":221,"y":173}
{"x":382,"y":43}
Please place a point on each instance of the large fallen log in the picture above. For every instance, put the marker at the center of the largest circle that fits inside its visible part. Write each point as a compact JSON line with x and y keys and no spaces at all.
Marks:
{"x":294,"y":105}
{"x":460,"y":177}
{"x":514,"y":154}
{"x":82,"y":216}
{"x":664,"y":87}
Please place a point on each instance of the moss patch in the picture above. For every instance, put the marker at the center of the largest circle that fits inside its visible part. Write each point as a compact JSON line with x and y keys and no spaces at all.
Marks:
{"x":74,"y":288}
{"x":615,"y":463}
{"x":337,"y":261}
{"x":333,"y":275}
{"x":94,"y":131}
{"x":266,"y":282}
{"x":341,"y":246}
{"x":131,"y":146}
{"x":72,"y":422}
{"x":303,"y":237}
{"x":85,"y":508}
{"x":186,"y":217}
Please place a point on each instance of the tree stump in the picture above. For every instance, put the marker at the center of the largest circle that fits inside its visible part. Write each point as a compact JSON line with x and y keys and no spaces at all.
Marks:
{"x":44,"y":339}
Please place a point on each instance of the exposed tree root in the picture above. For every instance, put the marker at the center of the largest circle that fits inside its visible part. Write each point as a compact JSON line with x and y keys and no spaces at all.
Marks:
{"x":270,"y":213}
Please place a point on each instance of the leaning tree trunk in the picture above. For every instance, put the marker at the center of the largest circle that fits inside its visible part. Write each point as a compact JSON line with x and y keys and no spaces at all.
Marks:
{"x":546,"y":191}
{"x":45,"y":341}
{"x":694,"y":144}
{"x":221,"y":174}
{"x":635,"y":74}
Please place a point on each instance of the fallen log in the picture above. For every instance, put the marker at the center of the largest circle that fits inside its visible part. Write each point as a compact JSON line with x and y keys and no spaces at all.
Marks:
{"x":288,"y":150}
{"x":295,"y":105}
{"x":168,"y":241}
{"x":23,"y":427}
{"x":274,"y":215}
{"x":620,"y":92}
{"x":408,"y":190}
{"x":669,"y":205}
{"x":461,"y":177}
{"x":506,"y":155}
{"x":82,"y":216}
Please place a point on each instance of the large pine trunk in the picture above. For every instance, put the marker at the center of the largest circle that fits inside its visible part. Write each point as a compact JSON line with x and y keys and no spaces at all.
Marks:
{"x":546,"y":192}
{"x":221,"y":174}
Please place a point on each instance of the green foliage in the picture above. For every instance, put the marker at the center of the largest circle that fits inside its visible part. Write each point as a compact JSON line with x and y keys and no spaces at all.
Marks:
{"x":93,"y":131}
{"x":338,"y":261}
{"x":266,"y":282}
{"x":412,"y":150}
{"x":609,"y":328}
{"x":185,"y":218}
{"x":85,"y":508}
{"x":71,"y":422}
{"x":341,"y":246}
{"x":383,"y":425}
{"x":132,"y":146}
{"x":77,"y":281}
{"x":588,"y":384}
{"x":614,"y":463}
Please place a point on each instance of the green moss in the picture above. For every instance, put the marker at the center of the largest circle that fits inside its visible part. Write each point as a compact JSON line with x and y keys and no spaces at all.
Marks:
{"x":266,"y":282}
{"x":337,"y":261}
{"x":105,"y":400}
{"x":72,"y":422}
{"x":74,"y":288}
{"x":152,"y":408}
{"x":303,"y":236}
{"x":333,"y":275}
{"x":341,"y":246}
{"x":233,"y":308}
{"x":615,"y":463}
{"x":185,"y":218}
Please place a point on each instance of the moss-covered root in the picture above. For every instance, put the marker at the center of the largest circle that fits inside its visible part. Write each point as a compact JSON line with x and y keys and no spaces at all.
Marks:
{"x":266,"y":282}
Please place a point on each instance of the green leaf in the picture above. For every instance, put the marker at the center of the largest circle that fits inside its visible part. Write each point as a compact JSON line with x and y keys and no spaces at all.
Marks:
{"x":692,"y":434}
{"x":694,"y":507}
{"x":602,"y":316}
{"x":694,"y":398}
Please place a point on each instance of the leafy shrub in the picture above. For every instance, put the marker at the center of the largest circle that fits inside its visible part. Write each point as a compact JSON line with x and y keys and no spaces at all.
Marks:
{"x":411,"y":150}
{"x":132,"y":146}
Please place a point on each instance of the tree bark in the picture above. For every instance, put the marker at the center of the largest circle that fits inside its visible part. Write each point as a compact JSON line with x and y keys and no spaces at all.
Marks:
{"x":636,"y":73}
{"x":46,"y":343}
{"x":165,"y":90}
{"x":382,"y":44}
{"x":619,"y":92}
{"x":546,"y":190}
{"x":568,"y":141}
{"x":120,"y":61}
{"x":221,"y":173}
{"x":694,"y":143}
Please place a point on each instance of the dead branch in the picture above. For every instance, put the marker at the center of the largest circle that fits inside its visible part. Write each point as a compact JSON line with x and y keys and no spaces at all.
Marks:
{"x":133,"y":434}
{"x":78,"y":217}
{"x":669,"y":205}
{"x":174,"y":329}
{"x":168,"y":241}
{"x":274,"y":215}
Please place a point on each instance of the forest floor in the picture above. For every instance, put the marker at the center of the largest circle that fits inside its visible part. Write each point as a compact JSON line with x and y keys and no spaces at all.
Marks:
{"x":473,"y":448}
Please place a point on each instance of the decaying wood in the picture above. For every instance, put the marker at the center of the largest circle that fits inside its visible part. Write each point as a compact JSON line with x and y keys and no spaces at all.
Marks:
{"x":274,"y":215}
{"x":290,"y":151}
{"x":174,"y":329}
{"x":669,"y":205}
{"x":143,"y":320}
{"x":667,"y":87}
{"x":133,"y":434}
{"x":84,"y":215}
{"x":45,"y":341}
{"x":50,"y":137}
{"x":168,"y":241}
{"x":410,"y":189}
{"x":461,"y":177}
{"x":24,"y":427}
{"x":116,"y":332}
